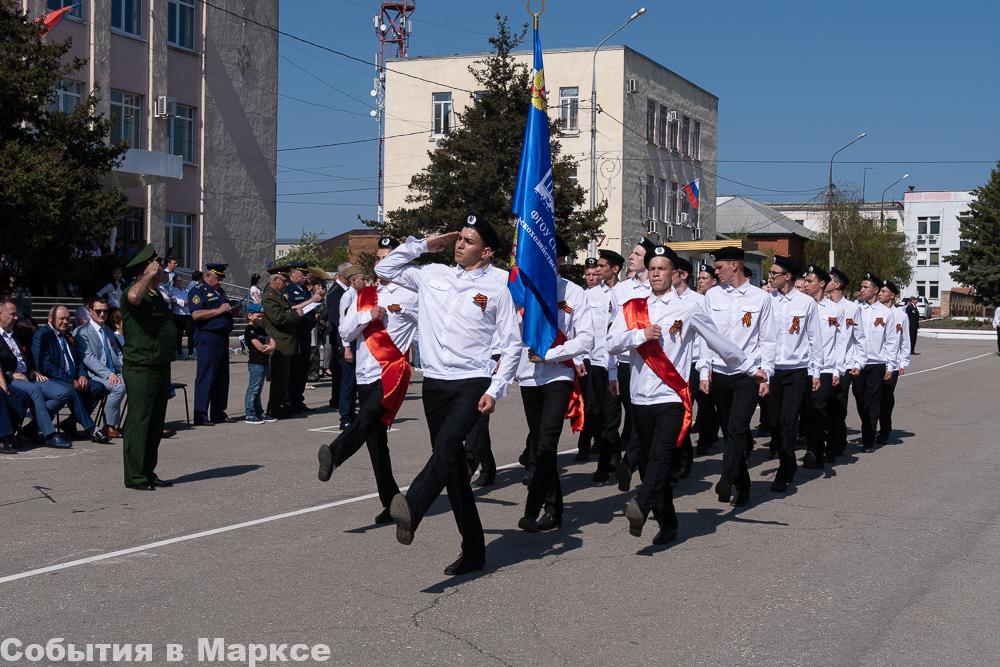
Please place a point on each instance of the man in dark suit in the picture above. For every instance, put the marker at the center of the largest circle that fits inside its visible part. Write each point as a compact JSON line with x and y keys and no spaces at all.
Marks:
{"x":333,"y":322}
{"x":913,"y":315}
{"x":53,"y":350}
{"x":280,"y":321}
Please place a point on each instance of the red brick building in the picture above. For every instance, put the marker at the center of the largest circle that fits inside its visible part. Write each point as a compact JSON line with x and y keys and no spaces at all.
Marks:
{"x":357,"y":242}
{"x":772,"y":231}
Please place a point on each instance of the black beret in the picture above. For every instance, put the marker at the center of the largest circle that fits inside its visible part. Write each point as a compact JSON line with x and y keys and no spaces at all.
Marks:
{"x":710,"y":270}
{"x":611,"y":257}
{"x":873,"y":279}
{"x":891,"y":286}
{"x":301,"y":266}
{"x":562,"y":248}
{"x":646,"y":243}
{"x":730,"y":252}
{"x":590,"y":262}
{"x":818,"y":272}
{"x":486,"y":232}
{"x":388,"y":242}
{"x":840,"y":276}
{"x":660,"y":251}
{"x":683,"y":264}
{"x":788,"y":264}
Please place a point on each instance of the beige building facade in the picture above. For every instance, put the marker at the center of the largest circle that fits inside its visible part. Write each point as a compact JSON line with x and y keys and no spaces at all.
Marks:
{"x":194,"y":92}
{"x":658,"y":132}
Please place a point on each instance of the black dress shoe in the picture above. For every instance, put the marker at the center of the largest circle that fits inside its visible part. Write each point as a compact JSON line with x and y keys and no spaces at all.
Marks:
{"x":527,"y":524}
{"x":57,"y":441}
{"x":636,"y":519}
{"x":156,"y":481}
{"x":868,"y":449}
{"x":383,"y":517}
{"x":199,"y":421}
{"x":724,"y":491}
{"x":602,"y":475}
{"x":326,"y":466}
{"x":399,"y":510}
{"x":779,"y":486}
{"x":882,"y":439}
{"x":809,"y":461}
{"x":624,"y":475}
{"x":140,"y":487}
{"x":549,"y":521}
{"x":465,"y":564}
{"x":7,"y":447}
{"x":224,"y":419}
{"x":665,"y":535}
{"x":742,"y":495}
{"x":484,"y":479}
{"x":99,"y":437}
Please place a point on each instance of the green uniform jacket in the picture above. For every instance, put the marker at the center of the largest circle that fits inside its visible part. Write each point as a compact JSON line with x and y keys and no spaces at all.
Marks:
{"x":150,"y":334}
{"x":280,"y":320}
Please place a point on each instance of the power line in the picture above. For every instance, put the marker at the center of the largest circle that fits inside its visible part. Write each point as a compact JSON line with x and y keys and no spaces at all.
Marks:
{"x":353,"y":141}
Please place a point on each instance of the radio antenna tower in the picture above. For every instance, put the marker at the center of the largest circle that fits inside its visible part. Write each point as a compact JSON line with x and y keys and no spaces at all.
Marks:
{"x":393,"y":26}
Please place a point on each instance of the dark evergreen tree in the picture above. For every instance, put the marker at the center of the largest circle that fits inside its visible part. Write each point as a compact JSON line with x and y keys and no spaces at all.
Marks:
{"x":978,"y":257}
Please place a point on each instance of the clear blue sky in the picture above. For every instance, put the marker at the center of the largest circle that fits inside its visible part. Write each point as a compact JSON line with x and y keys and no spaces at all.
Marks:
{"x":795,"y":80}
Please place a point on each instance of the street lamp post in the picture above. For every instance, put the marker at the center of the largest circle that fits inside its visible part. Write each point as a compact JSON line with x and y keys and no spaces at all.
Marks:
{"x":829,"y":196}
{"x":881,"y":208}
{"x":592,"y":246}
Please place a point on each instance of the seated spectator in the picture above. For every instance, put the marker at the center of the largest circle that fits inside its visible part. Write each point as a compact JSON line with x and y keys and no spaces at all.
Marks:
{"x":117,"y":324}
{"x":53,"y":352}
{"x":11,"y":410}
{"x":25,"y":384}
{"x":101,"y":354}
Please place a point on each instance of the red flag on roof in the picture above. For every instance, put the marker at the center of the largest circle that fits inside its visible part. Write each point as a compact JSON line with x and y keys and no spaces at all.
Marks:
{"x":50,"y":20}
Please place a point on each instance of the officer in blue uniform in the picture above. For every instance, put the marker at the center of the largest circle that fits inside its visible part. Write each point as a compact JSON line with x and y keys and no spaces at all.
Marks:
{"x":299,"y":370}
{"x":213,"y":321}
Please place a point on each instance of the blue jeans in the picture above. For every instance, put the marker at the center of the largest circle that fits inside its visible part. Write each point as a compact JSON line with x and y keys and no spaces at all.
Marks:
{"x":251,"y":404}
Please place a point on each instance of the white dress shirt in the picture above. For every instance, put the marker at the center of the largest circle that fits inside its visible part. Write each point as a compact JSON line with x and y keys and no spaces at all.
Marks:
{"x":881,"y":345}
{"x":178,"y":300}
{"x":902,"y":332}
{"x":8,"y":336}
{"x":798,"y":346}
{"x":460,"y":311}
{"x":668,"y":310}
{"x":576,"y":323}
{"x":400,"y":322}
{"x":697,"y":298}
{"x":626,"y":290}
{"x":835,"y":335}
{"x":346,"y":299}
{"x":744,"y":316}
{"x":599,"y":300}
{"x":854,"y":346}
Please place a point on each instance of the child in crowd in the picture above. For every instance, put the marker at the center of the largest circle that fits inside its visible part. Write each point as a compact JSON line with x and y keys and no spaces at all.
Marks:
{"x":259,"y":348}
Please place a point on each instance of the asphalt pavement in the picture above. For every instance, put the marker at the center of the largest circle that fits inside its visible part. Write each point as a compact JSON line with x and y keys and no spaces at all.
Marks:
{"x":885,"y":558}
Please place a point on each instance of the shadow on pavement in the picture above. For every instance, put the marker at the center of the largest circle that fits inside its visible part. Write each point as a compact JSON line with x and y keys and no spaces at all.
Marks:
{"x":215,"y":473}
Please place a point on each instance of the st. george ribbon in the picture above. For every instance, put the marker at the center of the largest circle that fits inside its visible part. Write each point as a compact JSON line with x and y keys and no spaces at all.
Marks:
{"x":533,"y":279}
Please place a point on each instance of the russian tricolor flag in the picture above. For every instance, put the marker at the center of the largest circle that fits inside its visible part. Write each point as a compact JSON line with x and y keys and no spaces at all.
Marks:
{"x":691,"y":190}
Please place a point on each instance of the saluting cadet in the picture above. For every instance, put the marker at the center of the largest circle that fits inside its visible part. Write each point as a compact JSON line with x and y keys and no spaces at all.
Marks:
{"x":213,"y":322}
{"x":850,"y":312}
{"x":384,"y":318}
{"x":707,"y":421}
{"x":680,"y":464}
{"x":798,"y":360}
{"x":635,"y":287}
{"x":877,"y":360}
{"x":658,"y":332}
{"x":460,"y":310}
{"x":550,"y":394}
{"x":150,"y":346}
{"x":742,"y":314}
{"x":899,"y":330}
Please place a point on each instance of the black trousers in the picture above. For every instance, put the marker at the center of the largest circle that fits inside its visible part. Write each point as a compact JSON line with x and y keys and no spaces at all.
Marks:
{"x":836,"y":441}
{"x":369,"y":430}
{"x":818,"y":411}
{"x":450,"y":407}
{"x":913,"y":339}
{"x":280,"y":368}
{"x":603,"y":416}
{"x":707,"y":421}
{"x":736,"y":398}
{"x":868,"y":397}
{"x":298,"y":372}
{"x":211,"y":384}
{"x":788,"y":389}
{"x":886,"y":406}
{"x":336,"y":372}
{"x":479,"y":448}
{"x":658,"y":427}
{"x":628,"y":439}
{"x":686,"y":451}
{"x":182,"y":324}
{"x":545,"y":411}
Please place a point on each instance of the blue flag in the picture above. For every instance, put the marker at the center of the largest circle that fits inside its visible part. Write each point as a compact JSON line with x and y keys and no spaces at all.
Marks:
{"x":533,"y":280}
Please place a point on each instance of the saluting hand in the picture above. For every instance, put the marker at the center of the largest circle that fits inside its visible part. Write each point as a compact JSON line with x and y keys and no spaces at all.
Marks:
{"x":439,"y":242}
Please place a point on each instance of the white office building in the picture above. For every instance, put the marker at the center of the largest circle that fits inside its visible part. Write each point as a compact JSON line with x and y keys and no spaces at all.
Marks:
{"x":932,"y":222}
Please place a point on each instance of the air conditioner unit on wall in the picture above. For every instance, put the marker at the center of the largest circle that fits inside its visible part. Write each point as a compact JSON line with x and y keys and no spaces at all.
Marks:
{"x":166,"y":107}
{"x":696,"y":234}
{"x":684,"y":218}
{"x":632,"y":86}
{"x":672,"y":116}
{"x":651,"y":225}
{"x":669,"y":231}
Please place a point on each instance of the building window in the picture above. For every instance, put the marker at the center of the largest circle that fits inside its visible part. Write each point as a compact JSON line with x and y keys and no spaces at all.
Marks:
{"x":180,"y":23}
{"x":672,"y":199}
{"x":126,"y":118}
{"x":696,"y":141}
{"x":66,"y":96}
{"x":922,"y":289}
{"x":686,"y":135}
{"x":651,"y":200}
{"x":180,"y":231}
{"x":672,"y":127}
{"x":441,"y":113}
{"x":180,"y":134}
{"x":685,"y":209}
{"x":664,"y":198}
{"x":662,"y":128}
{"x":126,"y":16}
{"x":932,"y":289}
{"x":572,"y":176}
{"x":569,"y":109}
{"x":921,"y":259}
{"x":935,"y":258}
{"x":76,"y":12}
{"x":131,"y":228}
{"x":935,"y":225}
{"x":651,"y":121}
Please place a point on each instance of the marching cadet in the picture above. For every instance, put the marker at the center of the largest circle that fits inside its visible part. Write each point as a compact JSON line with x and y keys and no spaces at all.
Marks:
{"x":798,"y":360}
{"x":877,"y":360}
{"x":899,"y":330}
{"x":659,"y":333}
{"x":850,"y":312}
{"x":634,"y":287}
{"x":591,"y":279}
{"x":707,"y":423}
{"x":680,"y":465}
{"x":213,"y":321}
{"x":150,"y":346}
{"x":460,"y":309}
{"x":742,"y":313}
{"x":550,"y":394}
{"x":385,"y":319}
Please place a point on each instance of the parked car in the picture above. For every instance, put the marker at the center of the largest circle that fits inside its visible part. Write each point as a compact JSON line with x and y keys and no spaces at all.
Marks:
{"x":924,"y":307}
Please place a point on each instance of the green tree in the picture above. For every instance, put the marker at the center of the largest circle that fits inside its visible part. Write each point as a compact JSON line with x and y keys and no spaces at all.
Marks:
{"x":475,"y":169}
{"x":308,"y":249}
{"x":978,"y":256}
{"x":54,"y":166}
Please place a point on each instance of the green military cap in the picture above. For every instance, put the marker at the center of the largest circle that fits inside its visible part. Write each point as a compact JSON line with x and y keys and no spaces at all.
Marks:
{"x":143,"y":257}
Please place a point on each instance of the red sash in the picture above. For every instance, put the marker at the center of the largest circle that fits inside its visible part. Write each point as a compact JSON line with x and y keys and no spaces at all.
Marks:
{"x":574,"y":411}
{"x":636,"y":313}
{"x":395,"y":367}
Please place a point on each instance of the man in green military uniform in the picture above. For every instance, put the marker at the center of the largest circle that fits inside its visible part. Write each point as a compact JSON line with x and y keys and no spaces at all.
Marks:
{"x":150,"y":346}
